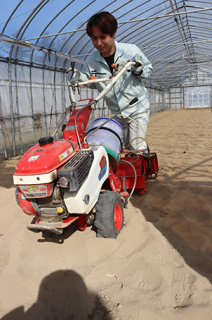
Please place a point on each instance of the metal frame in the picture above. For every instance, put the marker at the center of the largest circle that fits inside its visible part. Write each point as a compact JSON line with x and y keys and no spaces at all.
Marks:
{"x":151,"y":22}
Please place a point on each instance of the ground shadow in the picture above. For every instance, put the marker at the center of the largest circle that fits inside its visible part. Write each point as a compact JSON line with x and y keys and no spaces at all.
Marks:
{"x":63,"y":295}
{"x":7,"y":169}
{"x":182,"y":212}
{"x":58,"y":239}
{"x":67,"y":233}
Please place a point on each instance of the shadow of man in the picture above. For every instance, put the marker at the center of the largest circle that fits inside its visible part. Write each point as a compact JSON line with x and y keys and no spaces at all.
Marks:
{"x":63,"y":295}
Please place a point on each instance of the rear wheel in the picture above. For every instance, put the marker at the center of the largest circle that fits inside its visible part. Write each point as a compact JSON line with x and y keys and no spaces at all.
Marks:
{"x":109,"y":215}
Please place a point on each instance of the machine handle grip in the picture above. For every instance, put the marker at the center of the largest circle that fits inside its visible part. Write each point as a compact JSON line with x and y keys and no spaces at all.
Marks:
{"x":133,"y":101}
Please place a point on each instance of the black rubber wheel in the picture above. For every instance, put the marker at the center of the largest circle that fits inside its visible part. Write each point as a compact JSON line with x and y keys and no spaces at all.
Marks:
{"x":109,"y":215}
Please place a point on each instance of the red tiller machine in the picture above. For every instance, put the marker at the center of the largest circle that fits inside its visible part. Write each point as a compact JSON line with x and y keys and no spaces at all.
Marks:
{"x":87,"y":176}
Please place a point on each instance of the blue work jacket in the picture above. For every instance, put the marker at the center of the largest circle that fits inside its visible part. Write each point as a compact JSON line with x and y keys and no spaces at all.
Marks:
{"x":128,"y":86}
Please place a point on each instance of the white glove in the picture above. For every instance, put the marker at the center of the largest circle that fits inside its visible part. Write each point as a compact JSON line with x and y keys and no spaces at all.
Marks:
{"x":137,"y":69}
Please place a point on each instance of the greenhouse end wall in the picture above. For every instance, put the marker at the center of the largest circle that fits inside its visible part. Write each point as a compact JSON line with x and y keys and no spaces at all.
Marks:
{"x":189,"y":97}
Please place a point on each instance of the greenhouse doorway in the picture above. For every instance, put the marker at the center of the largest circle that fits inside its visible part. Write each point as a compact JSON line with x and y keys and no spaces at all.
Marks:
{"x":197,"y":97}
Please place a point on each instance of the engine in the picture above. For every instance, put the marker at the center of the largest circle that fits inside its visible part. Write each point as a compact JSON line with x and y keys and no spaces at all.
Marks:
{"x":67,"y":191}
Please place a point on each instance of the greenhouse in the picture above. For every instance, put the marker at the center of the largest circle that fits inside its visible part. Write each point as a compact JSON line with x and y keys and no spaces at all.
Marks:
{"x":41,"y":40}
{"x":106,"y":160}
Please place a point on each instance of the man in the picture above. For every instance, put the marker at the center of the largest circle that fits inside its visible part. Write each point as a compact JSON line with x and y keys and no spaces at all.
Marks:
{"x":101,"y":28}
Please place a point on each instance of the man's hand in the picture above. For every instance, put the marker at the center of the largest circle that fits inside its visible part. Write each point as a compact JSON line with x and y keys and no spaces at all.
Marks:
{"x":137,"y":69}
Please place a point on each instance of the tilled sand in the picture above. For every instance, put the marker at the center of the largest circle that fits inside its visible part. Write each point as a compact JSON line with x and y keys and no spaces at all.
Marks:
{"x":159,"y":267}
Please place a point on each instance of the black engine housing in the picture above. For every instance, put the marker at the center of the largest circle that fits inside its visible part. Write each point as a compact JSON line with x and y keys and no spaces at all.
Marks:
{"x":76,"y":169}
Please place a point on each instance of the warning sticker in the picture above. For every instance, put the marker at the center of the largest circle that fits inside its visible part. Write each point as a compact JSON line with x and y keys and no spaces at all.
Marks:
{"x":65,"y":154}
{"x":34,"y":191}
{"x":36,"y":195}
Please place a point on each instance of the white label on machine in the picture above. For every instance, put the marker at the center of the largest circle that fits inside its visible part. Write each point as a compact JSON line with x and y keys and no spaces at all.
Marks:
{"x":32,"y":158}
{"x":71,"y":127}
{"x":65,"y":154}
{"x":80,"y":103}
{"x":35,"y":191}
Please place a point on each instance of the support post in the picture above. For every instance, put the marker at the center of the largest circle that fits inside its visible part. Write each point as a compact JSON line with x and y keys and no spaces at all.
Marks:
{"x":17,"y":108}
{"x":3,"y":133}
{"x":31,"y":99}
{"x":44,"y":102}
{"x":11,"y":108}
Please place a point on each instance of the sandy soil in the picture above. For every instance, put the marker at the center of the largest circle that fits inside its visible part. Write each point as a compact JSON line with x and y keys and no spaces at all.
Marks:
{"x":159,"y":267}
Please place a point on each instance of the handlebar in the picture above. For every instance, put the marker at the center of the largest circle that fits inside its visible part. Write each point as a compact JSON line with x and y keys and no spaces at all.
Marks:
{"x":128,"y":63}
{"x":111,"y":80}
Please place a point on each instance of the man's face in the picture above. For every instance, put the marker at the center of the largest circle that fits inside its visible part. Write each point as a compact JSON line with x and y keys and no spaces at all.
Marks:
{"x":104,"y":43}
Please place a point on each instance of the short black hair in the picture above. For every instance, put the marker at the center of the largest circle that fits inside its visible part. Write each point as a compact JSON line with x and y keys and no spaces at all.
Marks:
{"x":106,"y":22}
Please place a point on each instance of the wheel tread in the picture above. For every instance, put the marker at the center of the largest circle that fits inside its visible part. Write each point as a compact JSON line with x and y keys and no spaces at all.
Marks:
{"x":105,"y":215}
{"x":98,"y":225}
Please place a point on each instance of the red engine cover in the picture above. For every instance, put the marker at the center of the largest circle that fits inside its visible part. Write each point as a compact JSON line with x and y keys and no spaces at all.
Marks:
{"x":45,"y":158}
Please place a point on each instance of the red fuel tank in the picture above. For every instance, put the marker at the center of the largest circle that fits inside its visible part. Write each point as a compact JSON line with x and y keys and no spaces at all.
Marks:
{"x":45,"y":156}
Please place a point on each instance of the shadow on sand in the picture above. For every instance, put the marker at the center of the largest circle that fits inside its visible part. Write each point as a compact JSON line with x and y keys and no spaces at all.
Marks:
{"x":63,"y":295}
{"x":181,"y":210}
{"x":7,"y":169}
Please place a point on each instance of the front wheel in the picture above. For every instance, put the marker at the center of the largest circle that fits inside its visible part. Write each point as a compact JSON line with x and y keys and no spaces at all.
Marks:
{"x":109,"y":215}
